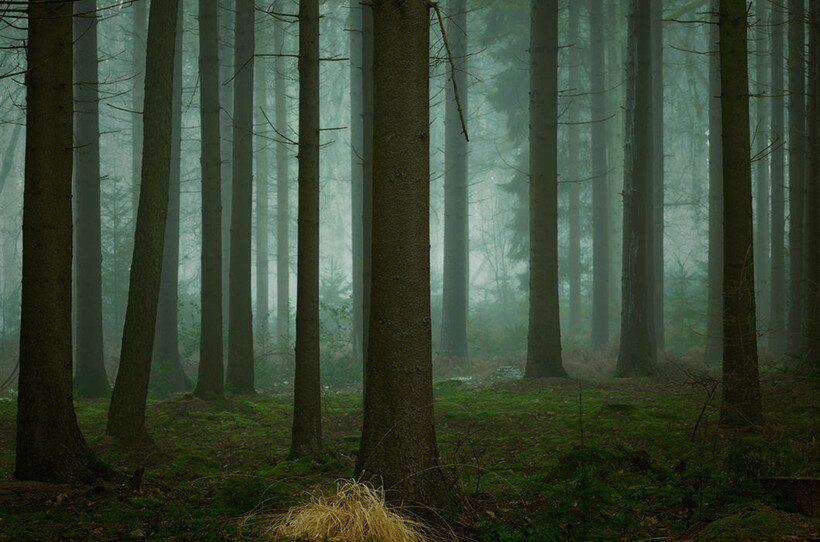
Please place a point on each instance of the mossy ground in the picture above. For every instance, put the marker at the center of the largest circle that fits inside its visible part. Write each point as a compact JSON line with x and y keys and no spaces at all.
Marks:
{"x":534,"y":461}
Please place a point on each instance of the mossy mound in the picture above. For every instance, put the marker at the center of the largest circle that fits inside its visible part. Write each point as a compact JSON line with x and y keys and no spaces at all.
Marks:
{"x":760,"y":523}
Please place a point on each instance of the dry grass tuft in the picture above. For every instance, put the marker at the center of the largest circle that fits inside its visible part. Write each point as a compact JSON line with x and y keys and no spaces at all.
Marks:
{"x":356,"y":512}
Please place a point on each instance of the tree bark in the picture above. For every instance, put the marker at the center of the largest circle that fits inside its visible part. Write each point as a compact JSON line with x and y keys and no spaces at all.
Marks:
{"x":574,"y":191}
{"x":797,"y":174}
{"x":367,"y":185}
{"x":811,"y":326}
{"x":140,"y":14}
{"x":714,"y":311}
{"x":637,"y":354}
{"x":741,"y":387}
{"x":282,"y":195}
{"x":90,"y":378}
{"x":600,"y":179}
{"x":126,"y":414}
{"x":240,"y":373}
{"x":167,"y":375}
{"x":544,"y":337}
{"x":398,"y":447}
{"x":777,"y":273}
{"x":307,"y":411}
{"x":210,"y":379}
{"x":50,"y":446}
{"x":456,"y":275}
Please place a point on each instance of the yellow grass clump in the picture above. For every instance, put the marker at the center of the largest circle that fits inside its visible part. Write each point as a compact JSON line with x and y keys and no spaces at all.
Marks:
{"x":357,"y":512}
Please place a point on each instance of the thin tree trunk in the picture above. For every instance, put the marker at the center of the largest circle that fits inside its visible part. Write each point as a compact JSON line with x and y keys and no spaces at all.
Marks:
{"x":811,"y":327}
{"x":167,"y":375}
{"x":240,"y":373}
{"x":658,"y":191}
{"x":777,"y":276}
{"x":210,"y":379}
{"x":50,"y":446}
{"x":761,"y":136}
{"x":262,"y":180}
{"x":741,"y":386}
{"x":544,"y":338}
{"x":90,"y":377}
{"x":126,"y":414}
{"x":307,"y":411}
{"x":637,"y":354}
{"x":714,"y":311}
{"x":282,"y":194}
{"x":357,"y":175}
{"x":227,"y":18}
{"x":797,"y":174}
{"x":615,"y":148}
{"x":398,"y":447}
{"x":574,"y":192}
{"x":456,"y":284}
{"x":140,"y":8}
{"x":367,"y":185}
{"x":600,"y":179}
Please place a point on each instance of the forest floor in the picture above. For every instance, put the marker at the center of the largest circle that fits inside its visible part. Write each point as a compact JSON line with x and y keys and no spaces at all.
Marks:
{"x":543,"y":460}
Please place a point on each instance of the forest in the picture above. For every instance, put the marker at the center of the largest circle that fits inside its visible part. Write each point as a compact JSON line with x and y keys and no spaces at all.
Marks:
{"x":409,"y":270}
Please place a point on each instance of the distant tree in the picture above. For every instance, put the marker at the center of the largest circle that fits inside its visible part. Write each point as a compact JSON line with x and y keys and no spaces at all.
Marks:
{"x":138,"y":32}
{"x":600,"y":178}
{"x":777,"y":272}
{"x":357,"y":175}
{"x":811,"y":328}
{"x":455,"y":290}
{"x":167,"y":375}
{"x":227,"y":16}
{"x":90,"y":378}
{"x":574,"y":190}
{"x":797,"y":174}
{"x":262,"y":184}
{"x":50,"y":446}
{"x":240,"y":373}
{"x":741,"y":386}
{"x":762,"y":156}
{"x":210,"y":381}
{"x":637,"y":354}
{"x":282,"y":192}
{"x":658,"y":171}
{"x":126,"y":414}
{"x":544,"y":339}
{"x":398,"y":446}
{"x":714,"y":311}
{"x":307,"y":411}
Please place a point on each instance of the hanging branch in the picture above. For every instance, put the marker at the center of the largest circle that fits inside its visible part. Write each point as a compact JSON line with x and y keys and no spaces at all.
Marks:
{"x":435,"y":7}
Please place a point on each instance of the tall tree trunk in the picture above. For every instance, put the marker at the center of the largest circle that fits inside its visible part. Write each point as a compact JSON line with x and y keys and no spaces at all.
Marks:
{"x":50,"y":446}
{"x":357,"y":175}
{"x":797,"y":174}
{"x":167,"y":375}
{"x":367,"y":185}
{"x":544,"y":337}
{"x":307,"y":411}
{"x":574,"y":192}
{"x":240,"y":373}
{"x":777,"y":274}
{"x":658,"y":148}
{"x":637,"y":354}
{"x":126,"y":414}
{"x":714,"y":311}
{"x":616,"y":97}
{"x":761,"y":136}
{"x":210,"y":379}
{"x":455,"y":292}
{"x":600,"y":179}
{"x":140,"y":14}
{"x":282,"y":193}
{"x":90,"y":378}
{"x":741,"y":386}
{"x":811,"y":327}
{"x":227,"y":18}
{"x":262,"y":180}
{"x":398,"y":447}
